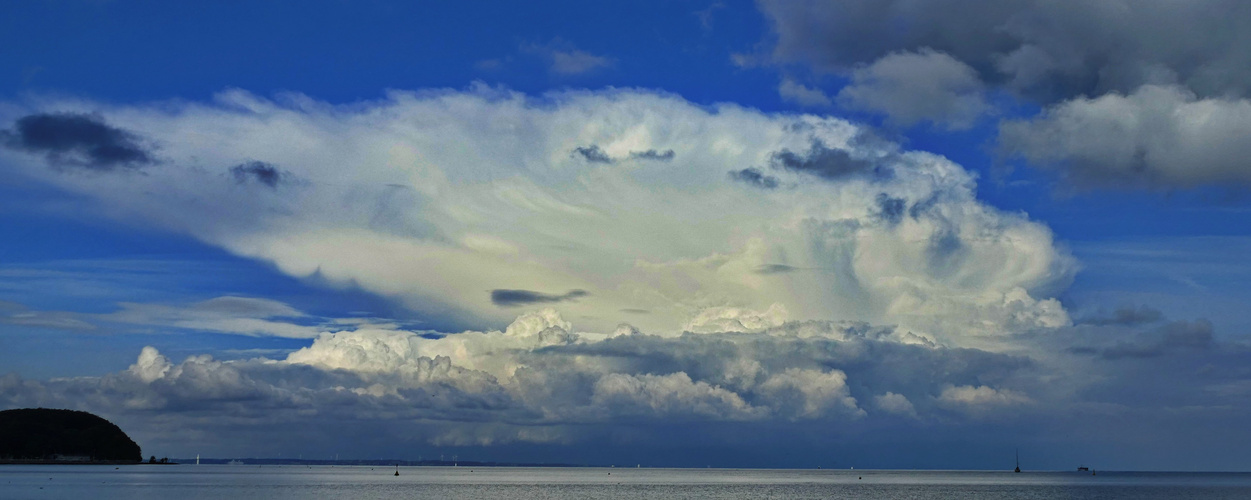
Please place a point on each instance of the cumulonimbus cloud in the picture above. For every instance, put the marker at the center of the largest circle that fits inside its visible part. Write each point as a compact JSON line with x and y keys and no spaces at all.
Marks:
{"x":434,"y":197}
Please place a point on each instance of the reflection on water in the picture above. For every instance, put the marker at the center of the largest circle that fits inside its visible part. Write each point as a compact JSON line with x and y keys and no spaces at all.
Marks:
{"x":271,"y":482}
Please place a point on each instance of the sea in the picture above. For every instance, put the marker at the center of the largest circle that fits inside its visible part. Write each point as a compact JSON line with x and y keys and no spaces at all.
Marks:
{"x":273,"y":482}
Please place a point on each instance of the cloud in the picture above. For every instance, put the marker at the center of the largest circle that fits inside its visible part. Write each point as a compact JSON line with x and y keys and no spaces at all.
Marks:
{"x":775,"y":268}
{"x":1167,"y":339}
{"x":489,"y":64}
{"x":565,"y":59}
{"x":513,"y":298}
{"x":150,"y":366}
{"x":890,"y":209}
{"x":1129,"y":316}
{"x":593,"y":154}
{"x":911,"y":87}
{"x":826,"y":162}
{"x":652,"y":154}
{"x":793,"y":91}
{"x":980,"y":398}
{"x":232,"y":315}
{"x":1042,"y":49}
{"x":537,"y":373}
{"x":12,"y":313}
{"x":1121,"y":108}
{"x":734,"y":319}
{"x":493,"y":199}
{"x":541,"y":380}
{"x":895,"y":403}
{"x":1157,"y":137}
{"x":808,"y":394}
{"x":705,"y":15}
{"x":76,"y":139}
{"x":260,"y":172}
{"x":670,"y":396}
{"x":753,"y":176}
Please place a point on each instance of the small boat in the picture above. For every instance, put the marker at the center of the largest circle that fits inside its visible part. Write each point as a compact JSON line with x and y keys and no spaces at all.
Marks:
{"x":1083,"y":468}
{"x":1018,"y":461}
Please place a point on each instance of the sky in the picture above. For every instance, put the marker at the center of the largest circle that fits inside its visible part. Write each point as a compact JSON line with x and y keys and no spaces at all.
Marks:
{"x":875,"y":234}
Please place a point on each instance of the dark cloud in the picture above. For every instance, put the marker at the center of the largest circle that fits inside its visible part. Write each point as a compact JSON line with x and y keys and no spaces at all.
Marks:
{"x":890,"y":209}
{"x":1127,"y":316}
{"x":1177,"y":336}
{"x":754,"y":177}
{"x":1163,"y":85}
{"x":774,"y":269}
{"x":76,"y":139}
{"x":258,"y":171}
{"x":1045,"y":50}
{"x":513,"y":298}
{"x":1159,"y":136}
{"x":825,"y":162}
{"x":593,"y":154}
{"x":652,"y":154}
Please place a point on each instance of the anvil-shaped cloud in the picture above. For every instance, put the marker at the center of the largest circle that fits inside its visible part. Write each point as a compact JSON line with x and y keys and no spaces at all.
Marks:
{"x":443,"y":199}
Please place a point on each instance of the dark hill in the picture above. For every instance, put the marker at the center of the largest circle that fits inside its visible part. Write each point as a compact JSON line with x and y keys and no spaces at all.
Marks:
{"x":43,"y":434}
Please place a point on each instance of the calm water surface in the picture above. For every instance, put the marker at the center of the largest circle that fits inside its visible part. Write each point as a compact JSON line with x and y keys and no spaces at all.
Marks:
{"x":272,"y":482}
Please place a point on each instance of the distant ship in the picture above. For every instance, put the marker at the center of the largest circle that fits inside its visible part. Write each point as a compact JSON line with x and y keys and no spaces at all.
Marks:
{"x":1083,"y":468}
{"x":234,"y":462}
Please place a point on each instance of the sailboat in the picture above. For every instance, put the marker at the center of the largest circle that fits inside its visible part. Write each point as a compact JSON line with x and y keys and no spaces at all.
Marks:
{"x":1018,"y":461}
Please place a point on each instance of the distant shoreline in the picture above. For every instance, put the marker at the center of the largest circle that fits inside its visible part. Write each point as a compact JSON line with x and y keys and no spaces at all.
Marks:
{"x":70,"y":462}
{"x":368,"y":462}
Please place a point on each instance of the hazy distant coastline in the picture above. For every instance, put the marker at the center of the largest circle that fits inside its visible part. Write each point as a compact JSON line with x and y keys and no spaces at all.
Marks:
{"x":368,"y":462}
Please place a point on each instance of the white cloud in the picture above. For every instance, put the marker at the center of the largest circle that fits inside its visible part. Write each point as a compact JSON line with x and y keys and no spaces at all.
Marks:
{"x":400,"y":389}
{"x":1157,"y":136}
{"x":438,"y":198}
{"x":810,"y":393}
{"x":895,"y":403}
{"x":151,"y":365}
{"x":672,"y":396}
{"x":911,"y":87}
{"x":234,"y":315}
{"x":734,"y":319}
{"x":12,"y":313}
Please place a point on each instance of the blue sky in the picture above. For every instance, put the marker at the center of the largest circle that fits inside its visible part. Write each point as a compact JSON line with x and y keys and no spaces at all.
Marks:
{"x":256,"y":220}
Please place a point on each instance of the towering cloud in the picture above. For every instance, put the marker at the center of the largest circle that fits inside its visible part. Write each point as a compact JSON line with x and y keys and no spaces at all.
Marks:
{"x":458,"y":203}
{"x":439,"y":197}
{"x":764,"y":381}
